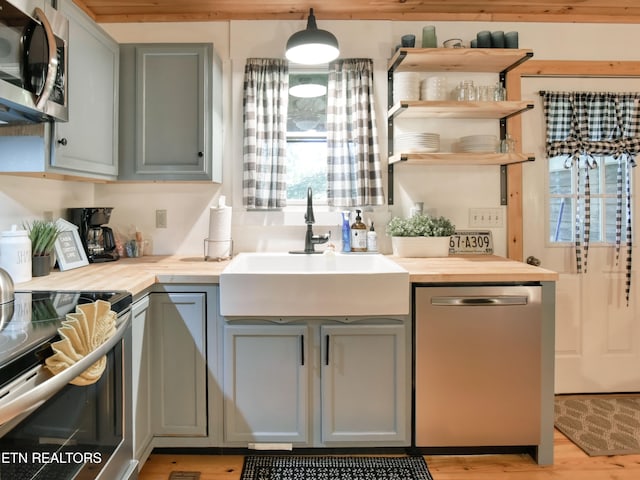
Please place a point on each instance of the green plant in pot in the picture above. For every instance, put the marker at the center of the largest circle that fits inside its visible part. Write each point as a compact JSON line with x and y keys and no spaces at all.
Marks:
{"x":43,"y":237}
{"x":420,"y":235}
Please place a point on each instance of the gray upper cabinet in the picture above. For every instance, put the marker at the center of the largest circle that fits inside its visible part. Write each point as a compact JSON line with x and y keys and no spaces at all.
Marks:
{"x":170,"y":112}
{"x":88,"y":141}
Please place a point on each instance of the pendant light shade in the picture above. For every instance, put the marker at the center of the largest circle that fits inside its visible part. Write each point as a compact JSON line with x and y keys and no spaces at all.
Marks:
{"x":308,"y":90}
{"x":312,"y":46}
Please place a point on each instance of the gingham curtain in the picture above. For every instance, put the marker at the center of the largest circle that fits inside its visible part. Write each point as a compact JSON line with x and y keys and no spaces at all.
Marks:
{"x":585,"y":125}
{"x":266,"y":85}
{"x":354,"y":176}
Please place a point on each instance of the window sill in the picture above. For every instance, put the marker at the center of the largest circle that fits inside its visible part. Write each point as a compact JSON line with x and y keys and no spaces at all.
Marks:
{"x":288,"y":216}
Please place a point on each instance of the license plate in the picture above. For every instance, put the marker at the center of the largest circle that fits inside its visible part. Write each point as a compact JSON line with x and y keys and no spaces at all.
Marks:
{"x":471,"y":241}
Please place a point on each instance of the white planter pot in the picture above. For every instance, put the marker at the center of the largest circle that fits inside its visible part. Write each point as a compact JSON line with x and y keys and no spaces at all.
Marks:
{"x":420,"y":246}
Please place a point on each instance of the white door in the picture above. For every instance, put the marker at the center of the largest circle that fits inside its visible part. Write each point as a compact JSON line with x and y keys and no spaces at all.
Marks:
{"x":597,"y":335}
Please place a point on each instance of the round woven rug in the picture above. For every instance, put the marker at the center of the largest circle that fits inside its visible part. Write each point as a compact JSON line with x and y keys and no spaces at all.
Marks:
{"x":600,"y":424}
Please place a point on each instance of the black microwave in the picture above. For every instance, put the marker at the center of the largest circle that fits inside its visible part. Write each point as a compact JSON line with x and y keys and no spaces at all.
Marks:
{"x":33,"y":62}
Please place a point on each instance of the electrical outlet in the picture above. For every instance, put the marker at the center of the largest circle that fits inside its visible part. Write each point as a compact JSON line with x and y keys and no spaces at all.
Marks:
{"x":161,"y":219}
{"x":485,"y":217}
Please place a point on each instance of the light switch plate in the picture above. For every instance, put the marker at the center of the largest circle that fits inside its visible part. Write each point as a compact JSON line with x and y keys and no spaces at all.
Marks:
{"x":161,"y":219}
{"x":485,"y":217}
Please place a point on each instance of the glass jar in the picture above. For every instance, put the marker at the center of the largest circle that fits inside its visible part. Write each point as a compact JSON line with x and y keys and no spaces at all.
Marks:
{"x":507,"y":144}
{"x":467,"y":91}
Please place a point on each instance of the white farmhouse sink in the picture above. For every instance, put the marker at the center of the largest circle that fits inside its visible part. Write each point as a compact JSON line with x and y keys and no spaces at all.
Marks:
{"x":284,"y":284}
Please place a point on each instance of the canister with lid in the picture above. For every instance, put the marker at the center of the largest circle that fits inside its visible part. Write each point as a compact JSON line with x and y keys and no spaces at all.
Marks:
{"x":15,"y":254}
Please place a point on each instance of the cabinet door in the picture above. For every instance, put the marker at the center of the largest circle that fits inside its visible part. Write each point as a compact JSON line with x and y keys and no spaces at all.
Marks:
{"x":88,"y":141}
{"x":141,"y":369}
{"x":169,"y":111}
{"x":364,"y":383}
{"x":265,"y":383}
{"x":178,"y":330}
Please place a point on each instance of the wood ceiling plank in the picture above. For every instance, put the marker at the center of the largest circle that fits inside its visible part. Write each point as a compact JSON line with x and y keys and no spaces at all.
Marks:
{"x":599,"y":11}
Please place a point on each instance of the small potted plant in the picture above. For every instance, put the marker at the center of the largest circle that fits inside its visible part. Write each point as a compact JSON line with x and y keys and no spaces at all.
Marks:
{"x":43,"y":237}
{"x":420,"y":236}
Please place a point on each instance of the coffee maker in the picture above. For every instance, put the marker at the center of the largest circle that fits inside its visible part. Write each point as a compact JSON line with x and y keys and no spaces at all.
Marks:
{"x":97,"y":239}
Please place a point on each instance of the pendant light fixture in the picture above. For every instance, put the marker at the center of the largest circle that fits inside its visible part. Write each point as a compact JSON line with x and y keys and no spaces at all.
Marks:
{"x":312,"y":46}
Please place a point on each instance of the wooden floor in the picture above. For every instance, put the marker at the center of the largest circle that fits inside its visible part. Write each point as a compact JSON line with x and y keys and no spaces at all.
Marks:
{"x":570,"y":463}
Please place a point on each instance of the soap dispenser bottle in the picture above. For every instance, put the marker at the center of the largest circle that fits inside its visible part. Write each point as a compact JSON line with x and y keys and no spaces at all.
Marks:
{"x":372,"y":239}
{"x":358,"y":234}
{"x":346,"y":231}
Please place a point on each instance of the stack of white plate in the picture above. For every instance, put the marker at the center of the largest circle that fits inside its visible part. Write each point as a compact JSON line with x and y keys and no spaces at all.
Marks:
{"x":416,"y":143}
{"x":434,"y":88}
{"x":406,"y":86}
{"x":479,"y":143}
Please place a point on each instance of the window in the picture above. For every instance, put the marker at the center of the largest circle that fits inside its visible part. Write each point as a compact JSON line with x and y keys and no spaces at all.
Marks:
{"x":341,"y":122}
{"x":307,"y":140}
{"x":564,"y":199}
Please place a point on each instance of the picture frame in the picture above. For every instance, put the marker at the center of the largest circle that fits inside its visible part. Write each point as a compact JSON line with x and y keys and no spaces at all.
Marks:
{"x":68,"y":247}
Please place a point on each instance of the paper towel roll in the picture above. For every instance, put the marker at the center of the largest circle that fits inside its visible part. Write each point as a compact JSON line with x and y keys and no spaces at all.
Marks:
{"x":219,"y":240}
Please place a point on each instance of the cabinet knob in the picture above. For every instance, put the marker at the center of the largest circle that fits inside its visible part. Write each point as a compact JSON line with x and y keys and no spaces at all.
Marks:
{"x":200,"y":154}
{"x":62,"y":141}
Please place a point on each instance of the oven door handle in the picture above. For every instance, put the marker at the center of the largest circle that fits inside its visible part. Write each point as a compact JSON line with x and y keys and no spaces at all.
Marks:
{"x":52,"y":64}
{"x":52,"y":384}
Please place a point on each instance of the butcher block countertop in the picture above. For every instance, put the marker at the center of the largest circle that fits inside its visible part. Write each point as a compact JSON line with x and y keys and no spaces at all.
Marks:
{"x":137,"y":274}
{"x":472,"y":268}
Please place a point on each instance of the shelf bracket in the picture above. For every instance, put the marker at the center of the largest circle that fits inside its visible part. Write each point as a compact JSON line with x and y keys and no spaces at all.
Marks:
{"x":526,"y":57}
{"x":397,"y":61}
{"x":390,"y":184}
{"x":503,"y":185}
{"x":390,"y":135}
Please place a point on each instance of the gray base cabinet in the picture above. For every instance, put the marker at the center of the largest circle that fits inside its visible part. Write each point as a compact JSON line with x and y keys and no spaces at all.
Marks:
{"x":363,"y":383}
{"x":170,"y":112}
{"x":317,"y":382}
{"x":141,"y":380}
{"x":179,"y":366}
{"x":266,"y":384}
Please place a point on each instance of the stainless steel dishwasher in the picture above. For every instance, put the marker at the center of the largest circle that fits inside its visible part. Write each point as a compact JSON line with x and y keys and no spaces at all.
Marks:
{"x":477,"y":365}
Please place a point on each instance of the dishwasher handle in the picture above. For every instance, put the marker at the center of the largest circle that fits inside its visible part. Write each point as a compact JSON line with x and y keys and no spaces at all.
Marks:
{"x":480,"y":301}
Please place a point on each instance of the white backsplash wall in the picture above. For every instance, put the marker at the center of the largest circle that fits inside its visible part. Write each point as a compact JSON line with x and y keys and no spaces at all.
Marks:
{"x":26,"y":198}
{"x":187,"y":207}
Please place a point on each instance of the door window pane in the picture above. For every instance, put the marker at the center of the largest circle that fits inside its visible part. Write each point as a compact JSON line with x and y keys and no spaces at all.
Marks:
{"x":565,"y":198}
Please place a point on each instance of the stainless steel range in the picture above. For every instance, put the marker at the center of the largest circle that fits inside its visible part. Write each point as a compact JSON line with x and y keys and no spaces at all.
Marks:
{"x":50,"y":428}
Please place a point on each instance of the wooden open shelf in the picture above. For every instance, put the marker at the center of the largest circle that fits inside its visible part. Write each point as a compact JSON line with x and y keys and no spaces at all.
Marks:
{"x":482,"y":60}
{"x":455,"y":158}
{"x":454,"y":109}
{"x":495,"y":60}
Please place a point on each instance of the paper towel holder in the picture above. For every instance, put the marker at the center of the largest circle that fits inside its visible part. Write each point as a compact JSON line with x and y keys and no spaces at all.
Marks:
{"x":227,"y":252}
